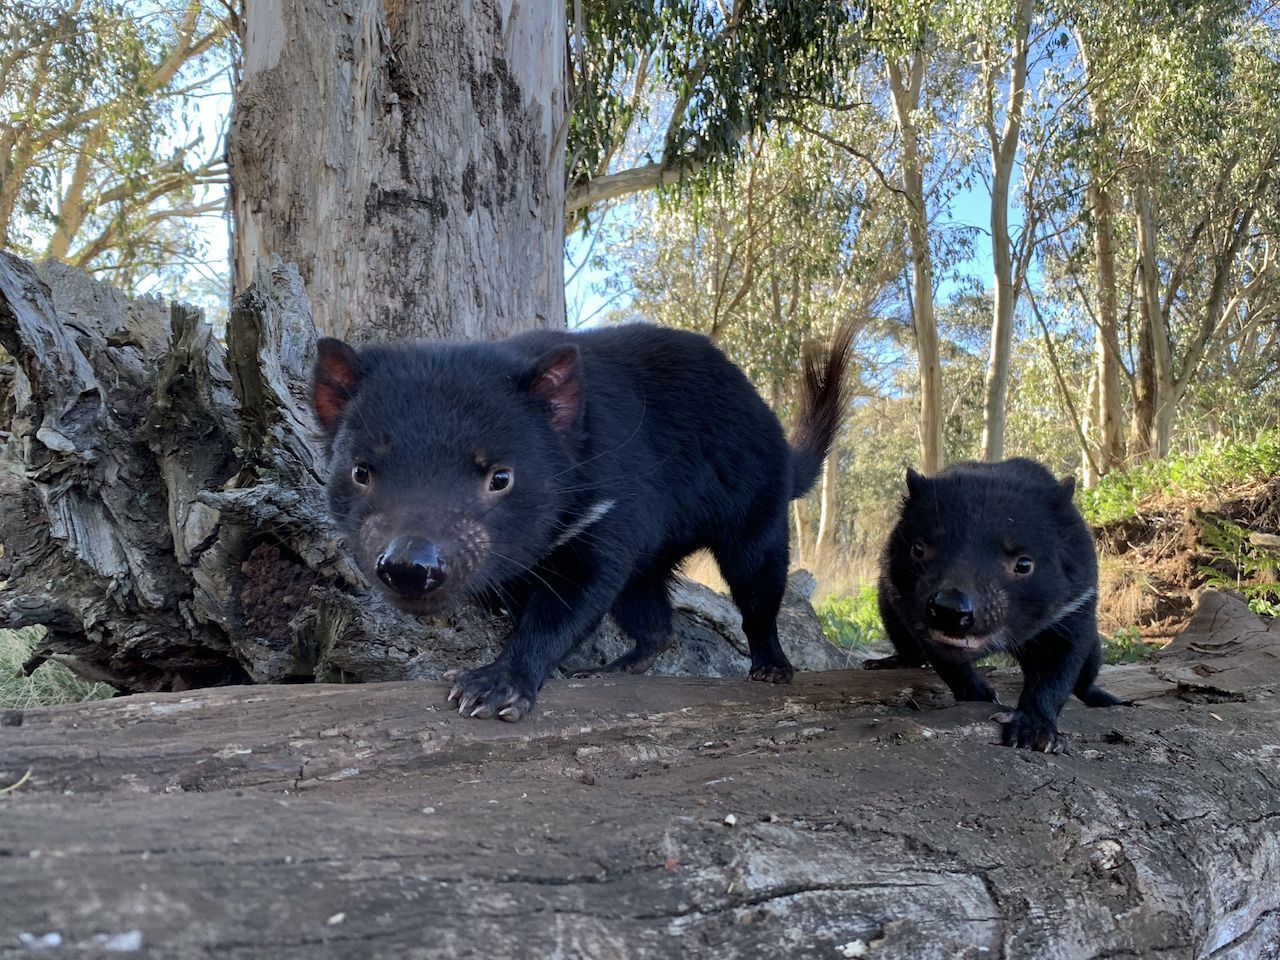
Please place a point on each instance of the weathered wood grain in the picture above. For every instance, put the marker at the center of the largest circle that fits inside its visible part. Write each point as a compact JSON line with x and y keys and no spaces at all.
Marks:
{"x":869,"y":812}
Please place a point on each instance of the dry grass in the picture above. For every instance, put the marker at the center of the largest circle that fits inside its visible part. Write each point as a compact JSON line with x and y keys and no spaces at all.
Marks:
{"x":836,"y":575}
{"x":1128,"y":595}
{"x":51,"y":683}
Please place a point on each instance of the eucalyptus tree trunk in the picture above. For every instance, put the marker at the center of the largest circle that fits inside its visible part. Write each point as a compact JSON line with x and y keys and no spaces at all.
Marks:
{"x":1154,"y":403}
{"x":1109,"y":409}
{"x":408,"y":156}
{"x":906,"y":86}
{"x":1004,"y":150}
{"x":1107,"y":405}
{"x":853,"y":813}
{"x":827,"y":514}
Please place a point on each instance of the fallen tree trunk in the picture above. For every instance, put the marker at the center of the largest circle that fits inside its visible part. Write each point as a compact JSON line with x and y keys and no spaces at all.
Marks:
{"x":162,"y":509}
{"x":853,"y":813}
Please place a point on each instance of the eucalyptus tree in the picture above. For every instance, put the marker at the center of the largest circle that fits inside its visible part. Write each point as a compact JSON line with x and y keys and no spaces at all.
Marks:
{"x":802,"y":235}
{"x":417,"y":162}
{"x":1003,"y":49}
{"x":1206,"y":159}
{"x":905,"y":74}
{"x":1162,"y":171}
{"x":101,"y":164}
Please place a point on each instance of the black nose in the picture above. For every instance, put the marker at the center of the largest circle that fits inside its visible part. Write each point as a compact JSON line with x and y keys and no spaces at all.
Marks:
{"x":951,"y":612}
{"x":411,"y":566}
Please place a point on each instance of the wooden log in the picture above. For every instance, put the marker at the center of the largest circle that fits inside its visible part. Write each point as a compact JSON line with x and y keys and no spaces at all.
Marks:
{"x":162,"y":507}
{"x":852,"y":813}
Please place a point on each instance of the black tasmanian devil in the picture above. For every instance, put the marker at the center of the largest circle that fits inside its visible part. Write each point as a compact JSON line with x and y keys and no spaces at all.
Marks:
{"x":569,"y":474}
{"x":991,"y":557}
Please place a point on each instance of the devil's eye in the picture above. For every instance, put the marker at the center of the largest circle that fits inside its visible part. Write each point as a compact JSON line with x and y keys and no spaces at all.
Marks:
{"x":917,"y":550}
{"x":360,"y":475}
{"x":501,"y":479}
{"x":1023,"y":566}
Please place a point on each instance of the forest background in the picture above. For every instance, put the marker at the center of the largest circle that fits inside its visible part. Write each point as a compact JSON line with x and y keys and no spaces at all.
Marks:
{"x":1056,"y":223}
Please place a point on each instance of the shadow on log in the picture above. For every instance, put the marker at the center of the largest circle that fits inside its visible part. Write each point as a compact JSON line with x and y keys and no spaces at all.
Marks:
{"x":162,"y":510}
{"x":853,"y":813}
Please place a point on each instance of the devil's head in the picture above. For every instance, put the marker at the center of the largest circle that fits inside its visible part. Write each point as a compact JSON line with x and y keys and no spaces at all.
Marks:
{"x":986,"y":556}
{"x":448,"y":461}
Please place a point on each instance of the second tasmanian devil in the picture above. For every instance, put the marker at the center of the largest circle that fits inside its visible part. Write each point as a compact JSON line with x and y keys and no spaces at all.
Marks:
{"x":569,"y":474}
{"x":988,"y":558}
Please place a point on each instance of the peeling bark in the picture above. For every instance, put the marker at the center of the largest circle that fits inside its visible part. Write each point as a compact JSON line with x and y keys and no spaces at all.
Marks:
{"x":295,"y":822}
{"x":431,"y":197}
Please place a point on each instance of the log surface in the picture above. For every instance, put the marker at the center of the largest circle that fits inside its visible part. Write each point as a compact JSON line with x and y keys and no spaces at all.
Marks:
{"x":852,"y":813}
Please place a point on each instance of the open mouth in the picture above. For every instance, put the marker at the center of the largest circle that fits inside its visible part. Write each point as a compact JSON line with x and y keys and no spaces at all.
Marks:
{"x":969,"y":644}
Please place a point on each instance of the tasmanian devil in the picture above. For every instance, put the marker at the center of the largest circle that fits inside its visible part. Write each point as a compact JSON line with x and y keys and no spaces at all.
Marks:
{"x":568,"y":475}
{"x":991,"y":557}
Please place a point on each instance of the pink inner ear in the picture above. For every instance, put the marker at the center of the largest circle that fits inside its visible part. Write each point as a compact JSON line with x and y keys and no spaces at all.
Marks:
{"x":329,"y":401}
{"x":335,"y":381}
{"x":558,"y":386}
{"x":336,"y":367}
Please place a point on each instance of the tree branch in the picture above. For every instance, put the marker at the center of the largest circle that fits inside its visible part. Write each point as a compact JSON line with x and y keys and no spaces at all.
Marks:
{"x":613,"y":185}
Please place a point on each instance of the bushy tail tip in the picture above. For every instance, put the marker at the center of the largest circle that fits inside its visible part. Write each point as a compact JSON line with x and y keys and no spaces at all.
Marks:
{"x":824,"y":396}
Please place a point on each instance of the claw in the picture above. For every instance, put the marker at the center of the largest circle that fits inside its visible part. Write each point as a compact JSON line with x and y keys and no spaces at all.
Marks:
{"x":481,"y":711}
{"x":455,"y":692}
{"x":510,"y":714}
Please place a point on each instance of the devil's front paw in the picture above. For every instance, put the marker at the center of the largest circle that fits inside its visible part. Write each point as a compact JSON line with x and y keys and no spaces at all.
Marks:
{"x":1030,"y":731}
{"x":493,"y":691}
{"x":772,"y":672}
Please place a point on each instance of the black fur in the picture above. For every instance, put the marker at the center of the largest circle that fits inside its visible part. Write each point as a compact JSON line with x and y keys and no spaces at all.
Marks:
{"x":952,"y":589}
{"x":617,"y":452}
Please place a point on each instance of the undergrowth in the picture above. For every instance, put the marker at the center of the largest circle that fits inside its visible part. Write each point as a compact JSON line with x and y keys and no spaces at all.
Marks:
{"x":49,"y":684}
{"x":853,"y":620}
{"x":1243,"y":562}
{"x":1117,"y":495}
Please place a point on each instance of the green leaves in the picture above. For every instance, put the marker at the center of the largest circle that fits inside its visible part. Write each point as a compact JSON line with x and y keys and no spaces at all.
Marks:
{"x":685,"y":82}
{"x":94,"y":111}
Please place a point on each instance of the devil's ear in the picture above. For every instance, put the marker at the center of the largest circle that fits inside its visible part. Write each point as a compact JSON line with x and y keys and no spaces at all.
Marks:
{"x":335,"y":381}
{"x":917,"y":484}
{"x":555,"y":379}
{"x":1068,"y":487}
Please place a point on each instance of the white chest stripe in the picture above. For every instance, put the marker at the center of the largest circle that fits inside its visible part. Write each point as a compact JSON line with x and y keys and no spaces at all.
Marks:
{"x":1069,"y":608}
{"x":593,"y":515}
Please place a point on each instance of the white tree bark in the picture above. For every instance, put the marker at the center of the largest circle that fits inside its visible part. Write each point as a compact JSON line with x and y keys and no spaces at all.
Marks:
{"x":1106,"y":352}
{"x":1154,"y":405}
{"x":409,"y":157}
{"x":906,"y":83}
{"x":1004,"y":149}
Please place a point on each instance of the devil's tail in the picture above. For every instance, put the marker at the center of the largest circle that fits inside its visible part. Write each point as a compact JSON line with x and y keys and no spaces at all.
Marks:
{"x":824,"y":397}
